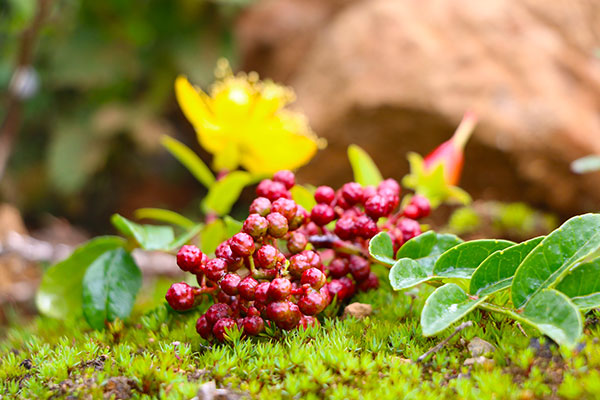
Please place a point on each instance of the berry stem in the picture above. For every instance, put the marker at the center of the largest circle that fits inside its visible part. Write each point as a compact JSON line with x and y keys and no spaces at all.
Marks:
{"x":331,"y":241}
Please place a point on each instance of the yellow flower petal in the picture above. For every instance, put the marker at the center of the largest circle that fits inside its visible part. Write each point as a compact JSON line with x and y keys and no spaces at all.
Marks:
{"x":194,"y":104}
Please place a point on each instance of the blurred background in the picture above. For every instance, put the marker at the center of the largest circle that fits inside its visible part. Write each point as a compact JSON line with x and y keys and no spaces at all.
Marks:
{"x":87,"y":89}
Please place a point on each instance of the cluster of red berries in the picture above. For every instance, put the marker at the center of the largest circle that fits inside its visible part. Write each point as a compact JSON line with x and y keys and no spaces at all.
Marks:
{"x":255,"y":281}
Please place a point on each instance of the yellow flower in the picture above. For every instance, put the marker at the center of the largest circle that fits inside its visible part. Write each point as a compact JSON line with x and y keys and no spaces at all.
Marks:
{"x":244,"y":122}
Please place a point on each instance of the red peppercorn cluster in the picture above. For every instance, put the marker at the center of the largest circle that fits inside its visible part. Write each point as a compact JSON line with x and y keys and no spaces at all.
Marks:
{"x":287,"y":265}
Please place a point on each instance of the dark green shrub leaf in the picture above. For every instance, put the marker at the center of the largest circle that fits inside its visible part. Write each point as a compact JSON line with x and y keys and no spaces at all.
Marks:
{"x":109,"y":287}
{"x":574,"y":242}
{"x":554,"y":315}
{"x":382,"y":248}
{"x":212,"y":235}
{"x":496,"y":272}
{"x":462,"y":260}
{"x":446,"y":305}
{"x":162,"y":215}
{"x":363,"y":167}
{"x":225,"y":192}
{"x":582,"y":285}
{"x":59,"y":294}
{"x":149,"y":237}
{"x":190,"y":160}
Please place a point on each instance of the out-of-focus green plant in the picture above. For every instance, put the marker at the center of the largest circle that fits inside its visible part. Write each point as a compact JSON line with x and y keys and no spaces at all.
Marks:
{"x":586,"y":164}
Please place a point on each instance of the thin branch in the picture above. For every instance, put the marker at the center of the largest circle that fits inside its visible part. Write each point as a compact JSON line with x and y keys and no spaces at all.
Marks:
{"x":441,"y":344}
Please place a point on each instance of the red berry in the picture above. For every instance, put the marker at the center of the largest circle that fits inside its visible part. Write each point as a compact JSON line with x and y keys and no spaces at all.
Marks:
{"x":286,"y":177}
{"x":278,"y":311}
{"x":242,"y":244}
{"x":223,"y":297}
{"x":271,"y":190}
{"x":372,"y":282}
{"x":203,"y":328}
{"x":247,"y":288}
{"x":340,"y":201}
{"x":359,"y":268}
{"x":344,"y":228}
{"x":422,"y":204}
{"x":324,"y":195}
{"x":307,"y":320}
{"x":377,"y":206}
{"x":260,"y":206}
{"x":312,"y":303}
{"x":365,"y":227}
{"x":279,"y":289}
{"x":278,"y":225}
{"x":349,"y":286}
{"x":253,"y":325}
{"x":266,"y":256}
{"x":256,"y":226}
{"x":336,"y":288}
{"x":299,"y":218}
{"x":297,"y":242}
{"x":189,"y":259}
{"x":261,"y":293}
{"x":322,"y":214}
{"x":285,"y":207}
{"x":409,"y":228}
{"x":368,"y":192}
{"x":221,"y":327}
{"x":298,"y":264}
{"x":224,"y":252}
{"x":352,"y":193}
{"x":292,"y":319}
{"x":229,"y":284}
{"x":215,"y":269}
{"x":216,"y":312}
{"x":338,"y":267}
{"x":313,"y":277}
{"x":180,"y":296}
{"x":391,"y":184}
{"x":411,"y":211}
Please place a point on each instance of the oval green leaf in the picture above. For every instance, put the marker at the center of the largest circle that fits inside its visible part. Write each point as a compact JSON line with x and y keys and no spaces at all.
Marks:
{"x":381,"y":248}
{"x":190,"y":160}
{"x":149,"y":237}
{"x":582,"y":285}
{"x":555,"y":315}
{"x":211,"y":235}
{"x":576,"y":241}
{"x":162,"y":215}
{"x":59,"y":294}
{"x":428,"y":247}
{"x":303,"y":196}
{"x":496,"y":272}
{"x":185,"y":237}
{"x":232,"y":226}
{"x":225,"y":192}
{"x":407,"y":273}
{"x":445,"y":306}
{"x":462,"y":260}
{"x":363,"y":167}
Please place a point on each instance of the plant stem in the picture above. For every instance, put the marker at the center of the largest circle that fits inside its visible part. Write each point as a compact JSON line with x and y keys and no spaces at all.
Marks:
{"x":505,"y":311}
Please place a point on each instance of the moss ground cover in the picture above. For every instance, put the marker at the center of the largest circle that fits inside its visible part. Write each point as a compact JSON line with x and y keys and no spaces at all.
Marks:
{"x":158,"y":354}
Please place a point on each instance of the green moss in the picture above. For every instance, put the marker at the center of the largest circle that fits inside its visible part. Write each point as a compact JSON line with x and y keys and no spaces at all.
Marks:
{"x":158,"y":354}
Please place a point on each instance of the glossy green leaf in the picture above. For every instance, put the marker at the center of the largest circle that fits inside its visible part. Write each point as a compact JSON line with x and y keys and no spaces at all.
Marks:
{"x":225,"y":192}
{"x":110,"y":286}
{"x":381,"y":248}
{"x":574,"y":242}
{"x":149,"y":237}
{"x":59,"y":294}
{"x":496,"y":272}
{"x":190,"y":160}
{"x":462,"y":260}
{"x":417,"y":258}
{"x":445,"y":306}
{"x":185,"y":237}
{"x":162,"y":215}
{"x":212,"y":235}
{"x":363,"y":167}
{"x":232,"y":226}
{"x":582,"y":285}
{"x":303,"y":197}
{"x":555,"y":315}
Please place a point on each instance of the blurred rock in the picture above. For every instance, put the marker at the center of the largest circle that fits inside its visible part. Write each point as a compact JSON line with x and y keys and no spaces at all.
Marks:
{"x":358,"y":310}
{"x":479,"y":347}
{"x":397,"y":76}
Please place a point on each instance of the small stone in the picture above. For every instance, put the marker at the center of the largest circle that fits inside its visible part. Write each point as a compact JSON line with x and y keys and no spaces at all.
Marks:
{"x":481,"y":360}
{"x":479,"y":347}
{"x":358,"y":310}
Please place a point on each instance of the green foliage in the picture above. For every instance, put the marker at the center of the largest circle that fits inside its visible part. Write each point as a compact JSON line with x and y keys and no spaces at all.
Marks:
{"x":225,"y":192}
{"x":110,"y":286}
{"x":363,"y":167}
{"x":148,"y":237}
{"x":190,"y":160}
{"x":565,"y":260}
{"x":304,"y":196}
{"x":381,"y":248}
{"x":168,"y":216}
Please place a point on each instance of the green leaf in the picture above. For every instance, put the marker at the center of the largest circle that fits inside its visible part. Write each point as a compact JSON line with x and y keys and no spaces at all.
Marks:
{"x":232,"y":226}
{"x":446,"y":305}
{"x":109,"y":287}
{"x":496,"y":272}
{"x":162,"y":215}
{"x":582,"y":285}
{"x":364,"y":169}
{"x":212,"y":235}
{"x":225,"y":192}
{"x":149,"y":237}
{"x":304,"y":197}
{"x":586,"y":164}
{"x":462,"y":260}
{"x":555,"y":315}
{"x":574,"y":242}
{"x":185,"y":237}
{"x":417,"y":258}
{"x":382,"y":248}
{"x":190,"y":160}
{"x":59,"y":294}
